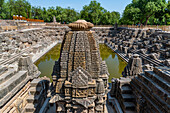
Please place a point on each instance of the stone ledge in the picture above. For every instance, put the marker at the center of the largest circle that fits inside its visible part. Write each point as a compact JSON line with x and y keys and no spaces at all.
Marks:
{"x":13,"y":91}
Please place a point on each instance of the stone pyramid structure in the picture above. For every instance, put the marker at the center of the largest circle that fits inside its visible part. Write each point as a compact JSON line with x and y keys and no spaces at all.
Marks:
{"x":80,"y":77}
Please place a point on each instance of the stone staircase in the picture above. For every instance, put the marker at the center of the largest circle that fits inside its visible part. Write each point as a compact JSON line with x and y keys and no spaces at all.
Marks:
{"x":127,"y":98}
{"x":10,"y":81}
{"x":154,"y":87}
{"x":32,"y":99}
{"x":37,"y":96}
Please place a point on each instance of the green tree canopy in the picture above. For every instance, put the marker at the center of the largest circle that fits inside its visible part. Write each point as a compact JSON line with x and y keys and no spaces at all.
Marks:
{"x":21,"y":8}
{"x":142,"y":10}
{"x":98,"y":15}
{"x":138,"y":11}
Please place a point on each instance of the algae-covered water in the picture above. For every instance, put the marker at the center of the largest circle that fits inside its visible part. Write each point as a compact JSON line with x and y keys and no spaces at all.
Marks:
{"x":45,"y":63}
{"x":114,"y":63}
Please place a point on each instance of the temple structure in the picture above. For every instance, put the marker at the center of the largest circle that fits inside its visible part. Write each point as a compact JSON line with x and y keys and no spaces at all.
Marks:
{"x":80,"y":77}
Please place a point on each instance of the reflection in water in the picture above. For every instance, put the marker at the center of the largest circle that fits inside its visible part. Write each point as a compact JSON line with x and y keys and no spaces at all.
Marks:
{"x":45,"y":63}
{"x":114,"y":63}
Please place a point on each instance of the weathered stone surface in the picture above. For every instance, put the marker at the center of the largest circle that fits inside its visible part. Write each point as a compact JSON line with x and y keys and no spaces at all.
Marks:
{"x":134,"y":66}
{"x":142,"y":42}
{"x":14,"y":77}
{"x":82,"y":78}
{"x":38,"y":95}
{"x":80,"y":25}
{"x":152,"y":88}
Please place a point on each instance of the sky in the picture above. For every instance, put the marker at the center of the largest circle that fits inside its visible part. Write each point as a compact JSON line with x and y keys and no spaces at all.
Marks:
{"x":110,"y":5}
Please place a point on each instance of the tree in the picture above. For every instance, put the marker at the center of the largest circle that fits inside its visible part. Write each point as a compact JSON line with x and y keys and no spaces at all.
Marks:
{"x":4,"y":10}
{"x":98,"y":15}
{"x":1,"y":3}
{"x":71,"y":15}
{"x":22,"y":8}
{"x":37,"y":13}
{"x":167,"y":13}
{"x":132,"y":14}
{"x":51,"y":11}
{"x":44,"y":14}
{"x":143,"y":10}
{"x":59,"y":14}
{"x":92,"y":13}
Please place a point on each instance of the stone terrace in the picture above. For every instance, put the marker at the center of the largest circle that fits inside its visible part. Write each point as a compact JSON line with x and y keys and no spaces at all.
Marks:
{"x":18,"y":51}
{"x":152,"y":46}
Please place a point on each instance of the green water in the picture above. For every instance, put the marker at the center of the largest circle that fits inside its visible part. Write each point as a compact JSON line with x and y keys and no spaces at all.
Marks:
{"x":45,"y":63}
{"x":114,"y":63}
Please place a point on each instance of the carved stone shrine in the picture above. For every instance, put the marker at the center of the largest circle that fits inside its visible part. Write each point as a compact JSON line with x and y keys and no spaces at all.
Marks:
{"x":80,"y":77}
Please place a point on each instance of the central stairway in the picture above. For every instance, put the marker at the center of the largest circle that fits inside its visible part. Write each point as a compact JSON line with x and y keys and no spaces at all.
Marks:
{"x":37,"y":96}
{"x":126,"y":99}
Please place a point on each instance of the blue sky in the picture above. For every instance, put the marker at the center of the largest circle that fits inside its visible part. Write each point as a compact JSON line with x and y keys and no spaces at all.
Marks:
{"x":110,"y":5}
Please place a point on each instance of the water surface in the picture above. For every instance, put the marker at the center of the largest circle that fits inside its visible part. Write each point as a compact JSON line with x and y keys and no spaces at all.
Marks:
{"x":114,"y":63}
{"x":45,"y":63}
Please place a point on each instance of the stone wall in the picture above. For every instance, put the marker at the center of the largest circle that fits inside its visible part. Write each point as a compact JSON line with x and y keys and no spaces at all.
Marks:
{"x":104,"y":32}
{"x":14,"y":77}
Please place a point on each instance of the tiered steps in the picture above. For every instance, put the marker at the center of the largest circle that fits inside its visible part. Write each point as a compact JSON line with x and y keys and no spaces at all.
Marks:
{"x":128,"y":99}
{"x":10,"y":83}
{"x":30,"y":108}
{"x":154,"y":86}
{"x":6,"y":75}
{"x":129,"y":106}
{"x":126,"y":89}
{"x":33,"y":100}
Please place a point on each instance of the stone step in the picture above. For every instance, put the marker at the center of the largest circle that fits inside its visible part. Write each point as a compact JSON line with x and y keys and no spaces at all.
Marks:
{"x":30,"y":108}
{"x":154,"y":99}
{"x":12,"y":82}
{"x":35,"y":90}
{"x":33,"y":98}
{"x":6,"y":75}
{"x":13,"y":110}
{"x":35,"y":83}
{"x":163,"y":72}
{"x":126,"y":89}
{"x":128,"y":97}
{"x":2,"y":69}
{"x":130,"y":111}
{"x":156,"y":89}
{"x":129,"y":105}
{"x":158,"y":80}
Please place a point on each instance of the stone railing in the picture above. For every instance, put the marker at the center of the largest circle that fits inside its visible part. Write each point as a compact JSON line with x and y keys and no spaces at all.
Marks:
{"x":8,"y":28}
{"x":159,"y":27}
